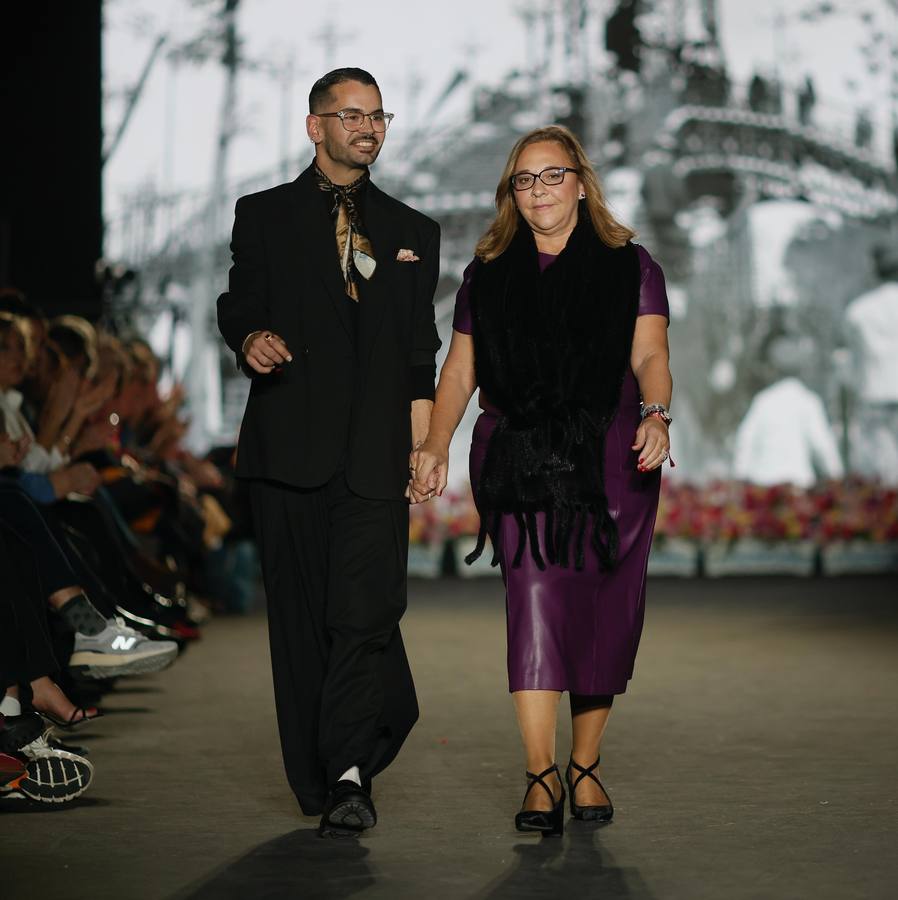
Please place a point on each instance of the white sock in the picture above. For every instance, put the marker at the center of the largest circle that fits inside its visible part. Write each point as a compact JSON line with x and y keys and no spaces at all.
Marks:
{"x":352,"y":774}
{"x":10,"y":706}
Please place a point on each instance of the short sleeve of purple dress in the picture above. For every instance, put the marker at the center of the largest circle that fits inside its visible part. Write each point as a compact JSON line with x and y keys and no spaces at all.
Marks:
{"x":579,"y":631}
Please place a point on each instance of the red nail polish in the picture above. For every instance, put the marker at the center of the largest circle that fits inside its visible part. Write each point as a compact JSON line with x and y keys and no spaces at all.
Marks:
{"x":642,"y":459}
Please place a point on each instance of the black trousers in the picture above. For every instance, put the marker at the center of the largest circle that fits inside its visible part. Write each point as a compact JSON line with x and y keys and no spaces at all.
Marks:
{"x":334,"y":566}
{"x":26,"y":646}
{"x":19,"y":514}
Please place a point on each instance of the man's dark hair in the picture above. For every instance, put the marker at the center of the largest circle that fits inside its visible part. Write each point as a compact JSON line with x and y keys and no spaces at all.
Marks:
{"x":319,"y":96}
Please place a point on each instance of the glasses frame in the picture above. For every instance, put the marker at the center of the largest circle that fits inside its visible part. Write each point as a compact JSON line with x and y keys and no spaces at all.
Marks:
{"x":563,"y":169}
{"x":342,"y":113}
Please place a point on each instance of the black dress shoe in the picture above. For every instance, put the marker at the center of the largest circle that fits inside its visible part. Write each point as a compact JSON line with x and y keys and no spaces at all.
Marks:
{"x":348,"y":811}
{"x":19,"y":731}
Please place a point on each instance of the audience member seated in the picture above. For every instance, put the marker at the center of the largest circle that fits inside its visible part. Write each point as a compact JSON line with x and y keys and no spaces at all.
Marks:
{"x":129,"y":531}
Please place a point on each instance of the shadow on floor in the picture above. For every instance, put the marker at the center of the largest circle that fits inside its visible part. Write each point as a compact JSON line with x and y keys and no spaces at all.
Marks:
{"x":291,"y":866}
{"x":300,"y":864}
{"x":575,"y":865}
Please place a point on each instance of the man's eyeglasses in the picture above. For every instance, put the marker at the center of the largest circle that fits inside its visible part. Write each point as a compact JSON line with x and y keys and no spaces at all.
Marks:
{"x":354,"y":119}
{"x":523,"y":181}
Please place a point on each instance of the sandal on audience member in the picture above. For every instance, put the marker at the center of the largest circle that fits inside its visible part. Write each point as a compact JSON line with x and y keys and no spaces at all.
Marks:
{"x":73,"y":721}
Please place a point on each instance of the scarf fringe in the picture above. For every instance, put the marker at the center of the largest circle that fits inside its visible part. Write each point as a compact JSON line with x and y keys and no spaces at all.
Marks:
{"x":559,"y":526}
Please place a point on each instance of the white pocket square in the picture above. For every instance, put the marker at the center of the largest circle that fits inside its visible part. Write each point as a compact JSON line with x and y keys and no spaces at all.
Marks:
{"x":407,"y":256}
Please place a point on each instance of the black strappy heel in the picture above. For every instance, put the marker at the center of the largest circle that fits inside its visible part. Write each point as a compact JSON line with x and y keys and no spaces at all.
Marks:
{"x":588,"y":813}
{"x":548,"y":822}
{"x":71,"y":723}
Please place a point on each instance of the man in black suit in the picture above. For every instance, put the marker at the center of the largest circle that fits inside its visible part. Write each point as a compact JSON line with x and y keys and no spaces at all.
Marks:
{"x":330,"y":311}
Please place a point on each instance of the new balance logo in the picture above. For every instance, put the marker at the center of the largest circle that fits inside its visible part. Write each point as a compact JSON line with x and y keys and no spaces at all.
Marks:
{"x":123,"y":643}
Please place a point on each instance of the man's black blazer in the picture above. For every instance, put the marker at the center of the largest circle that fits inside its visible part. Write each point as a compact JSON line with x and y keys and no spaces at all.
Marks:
{"x":341,"y":400}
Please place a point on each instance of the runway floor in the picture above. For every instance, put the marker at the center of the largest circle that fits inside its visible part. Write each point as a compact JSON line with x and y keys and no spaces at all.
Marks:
{"x":753,"y":757}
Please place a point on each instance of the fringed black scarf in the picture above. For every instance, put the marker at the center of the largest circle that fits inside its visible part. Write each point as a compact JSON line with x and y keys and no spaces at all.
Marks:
{"x":551,"y":351}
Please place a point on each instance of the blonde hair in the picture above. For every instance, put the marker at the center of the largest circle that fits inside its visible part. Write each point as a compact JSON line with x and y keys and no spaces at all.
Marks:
{"x":85,"y":340}
{"x":10,"y":322}
{"x":498,"y":236}
{"x":113,"y":358}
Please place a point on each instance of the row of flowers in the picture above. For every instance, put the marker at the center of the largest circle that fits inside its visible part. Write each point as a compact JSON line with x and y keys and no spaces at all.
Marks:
{"x":831,"y":512}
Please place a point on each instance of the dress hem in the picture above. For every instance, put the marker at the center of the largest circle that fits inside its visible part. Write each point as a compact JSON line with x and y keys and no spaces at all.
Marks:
{"x":583,"y":693}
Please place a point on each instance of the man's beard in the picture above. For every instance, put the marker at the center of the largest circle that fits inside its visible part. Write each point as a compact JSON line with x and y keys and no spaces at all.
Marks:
{"x":341,"y":153}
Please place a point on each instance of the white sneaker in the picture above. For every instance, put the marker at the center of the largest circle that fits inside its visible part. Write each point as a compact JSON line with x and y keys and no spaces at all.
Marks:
{"x":119,"y":650}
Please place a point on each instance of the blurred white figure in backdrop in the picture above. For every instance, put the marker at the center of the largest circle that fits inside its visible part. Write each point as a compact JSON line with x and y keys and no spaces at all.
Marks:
{"x":872,"y":330}
{"x":786,"y":435}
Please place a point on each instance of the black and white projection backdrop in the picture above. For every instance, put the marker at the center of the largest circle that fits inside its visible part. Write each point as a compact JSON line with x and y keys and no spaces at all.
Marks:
{"x":752,"y":146}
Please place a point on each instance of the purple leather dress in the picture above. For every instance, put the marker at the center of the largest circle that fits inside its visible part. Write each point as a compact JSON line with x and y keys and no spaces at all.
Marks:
{"x":569,"y":630}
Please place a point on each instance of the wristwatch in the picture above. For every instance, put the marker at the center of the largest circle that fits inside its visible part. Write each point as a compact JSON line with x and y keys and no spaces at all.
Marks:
{"x":658,"y":411}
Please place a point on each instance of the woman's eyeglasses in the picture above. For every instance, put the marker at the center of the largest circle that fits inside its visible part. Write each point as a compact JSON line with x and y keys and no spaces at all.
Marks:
{"x":552,"y":175}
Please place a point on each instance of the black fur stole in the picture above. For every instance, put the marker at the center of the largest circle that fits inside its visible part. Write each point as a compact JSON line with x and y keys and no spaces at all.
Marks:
{"x":551,"y":351}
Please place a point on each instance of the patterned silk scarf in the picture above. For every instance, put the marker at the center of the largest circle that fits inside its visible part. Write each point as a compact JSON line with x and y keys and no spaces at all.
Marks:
{"x":353,"y":247}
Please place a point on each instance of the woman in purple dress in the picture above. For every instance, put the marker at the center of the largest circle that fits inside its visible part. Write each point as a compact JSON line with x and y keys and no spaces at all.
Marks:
{"x":561,"y":322}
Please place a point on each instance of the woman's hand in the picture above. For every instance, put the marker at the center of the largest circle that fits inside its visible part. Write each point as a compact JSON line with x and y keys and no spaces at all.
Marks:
{"x":81,"y":478}
{"x":429,"y":469}
{"x":92,"y":397}
{"x":13,"y":452}
{"x":205,"y":475}
{"x":96,"y":436}
{"x":58,"y":407}
{"x":652,"y":442}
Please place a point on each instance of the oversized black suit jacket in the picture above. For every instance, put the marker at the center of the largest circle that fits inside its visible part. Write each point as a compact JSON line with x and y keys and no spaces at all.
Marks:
{"x":345,"y":398}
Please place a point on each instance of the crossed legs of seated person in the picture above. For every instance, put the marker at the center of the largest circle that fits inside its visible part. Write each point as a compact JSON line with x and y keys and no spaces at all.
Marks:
{"x":26,"y":648}
{"x":103,"y":648}
{"x":334,"y":569}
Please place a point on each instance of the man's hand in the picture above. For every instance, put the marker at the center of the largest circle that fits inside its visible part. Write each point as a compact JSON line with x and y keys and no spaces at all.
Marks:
{"x":264,"y":350}
{"x":429,"y":467}
{"x":421,"y":411}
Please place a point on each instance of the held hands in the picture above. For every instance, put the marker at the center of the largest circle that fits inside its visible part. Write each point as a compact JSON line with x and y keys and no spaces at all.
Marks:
{"x":429,"y":471}
{"x":264,"y":351}
{"x":652,"y":442}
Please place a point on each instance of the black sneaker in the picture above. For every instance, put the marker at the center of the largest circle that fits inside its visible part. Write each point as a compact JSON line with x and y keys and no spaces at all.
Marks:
{"x":51,"y":776}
